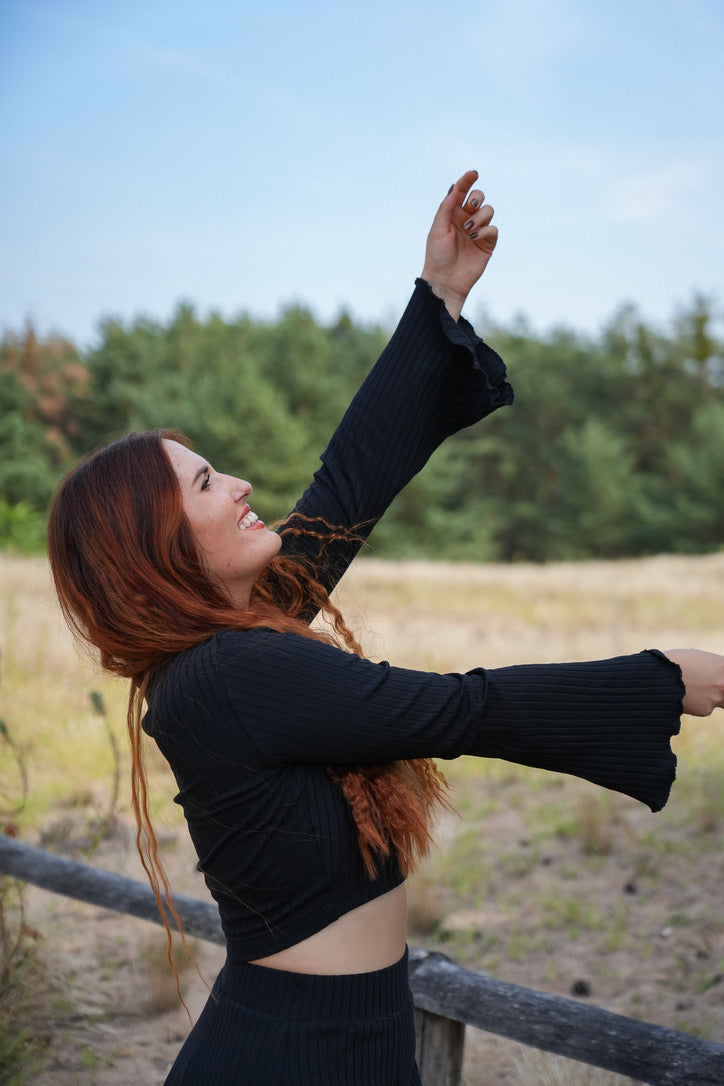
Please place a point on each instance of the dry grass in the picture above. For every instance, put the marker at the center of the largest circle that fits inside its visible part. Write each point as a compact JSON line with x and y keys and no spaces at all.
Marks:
{"x":460,"y":616}
{"x":161,"y":990}
{"x":45,"y":701}
{"x":533,"y":1068}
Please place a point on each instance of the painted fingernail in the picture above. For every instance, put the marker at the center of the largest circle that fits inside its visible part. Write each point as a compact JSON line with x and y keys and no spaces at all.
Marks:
{"x":474,"y":202}
{"x":450,"y":189}
{"x":469,"y":224}
{"x":473,"y":236}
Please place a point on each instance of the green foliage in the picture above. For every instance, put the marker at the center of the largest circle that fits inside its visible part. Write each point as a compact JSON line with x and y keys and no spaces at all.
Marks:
{"x":25,"y":472}
{"x":615,"y":445}
{"x":22,"y":528}
{"x":42,"y":385}
{"x":259,"y":399}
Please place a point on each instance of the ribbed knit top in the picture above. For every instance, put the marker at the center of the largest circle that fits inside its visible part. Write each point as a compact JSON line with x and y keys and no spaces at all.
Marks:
{"x":249,"y":719}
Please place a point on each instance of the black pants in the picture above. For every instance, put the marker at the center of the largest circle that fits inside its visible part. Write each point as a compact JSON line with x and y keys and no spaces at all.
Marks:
{"x":267,"y":1027}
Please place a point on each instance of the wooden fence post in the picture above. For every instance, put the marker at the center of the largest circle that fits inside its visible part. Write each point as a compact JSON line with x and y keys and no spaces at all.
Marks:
{"x":438,"y":1048}
{"x":638,"y":1050}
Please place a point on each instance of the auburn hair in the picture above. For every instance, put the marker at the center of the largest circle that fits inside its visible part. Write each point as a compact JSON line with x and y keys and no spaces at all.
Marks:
{"x":132,"y":583}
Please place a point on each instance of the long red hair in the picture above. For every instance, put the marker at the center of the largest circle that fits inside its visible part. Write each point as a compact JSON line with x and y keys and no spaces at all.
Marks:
{"x":132,"y":583}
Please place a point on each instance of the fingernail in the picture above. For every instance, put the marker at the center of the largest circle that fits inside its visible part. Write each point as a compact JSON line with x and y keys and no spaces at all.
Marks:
{"x":469,"y":224}
{"x":450,"y":189}
{"x":474,"y":202}
{"x":473,"y":236}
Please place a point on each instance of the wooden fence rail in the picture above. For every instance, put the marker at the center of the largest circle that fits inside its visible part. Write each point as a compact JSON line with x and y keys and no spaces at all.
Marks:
{"x":447,"y":997}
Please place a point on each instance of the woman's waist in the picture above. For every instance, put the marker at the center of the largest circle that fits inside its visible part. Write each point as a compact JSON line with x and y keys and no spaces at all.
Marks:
{"x":370,"y":937}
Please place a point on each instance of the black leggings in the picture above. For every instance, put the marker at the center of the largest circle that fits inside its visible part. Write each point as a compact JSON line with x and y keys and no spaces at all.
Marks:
{"x":267,"y":1027}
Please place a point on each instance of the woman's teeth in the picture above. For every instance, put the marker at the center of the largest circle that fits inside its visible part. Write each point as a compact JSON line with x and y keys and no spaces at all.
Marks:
{"x":248,"y":520}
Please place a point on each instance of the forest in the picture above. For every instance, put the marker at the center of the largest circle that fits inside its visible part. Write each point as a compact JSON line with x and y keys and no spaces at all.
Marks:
{"x":614,"y":447}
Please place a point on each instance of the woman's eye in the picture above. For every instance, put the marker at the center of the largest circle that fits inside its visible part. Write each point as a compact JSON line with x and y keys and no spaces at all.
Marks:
{"x":206,"y":482}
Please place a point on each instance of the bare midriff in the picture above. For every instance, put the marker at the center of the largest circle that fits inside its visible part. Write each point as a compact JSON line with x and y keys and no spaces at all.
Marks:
{"x":370,"y":937}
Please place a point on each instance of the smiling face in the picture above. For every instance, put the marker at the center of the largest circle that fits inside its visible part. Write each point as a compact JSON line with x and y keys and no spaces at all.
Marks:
{"x":236,"y":545}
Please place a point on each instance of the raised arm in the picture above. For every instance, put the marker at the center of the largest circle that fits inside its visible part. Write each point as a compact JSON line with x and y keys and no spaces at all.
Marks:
{"x":435,"y":377}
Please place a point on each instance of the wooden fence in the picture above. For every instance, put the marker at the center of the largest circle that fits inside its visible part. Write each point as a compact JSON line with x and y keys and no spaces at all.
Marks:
{"x":447,"y":997}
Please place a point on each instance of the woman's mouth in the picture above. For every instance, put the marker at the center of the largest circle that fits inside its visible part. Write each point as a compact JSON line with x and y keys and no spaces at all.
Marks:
{"x":250,"y":520}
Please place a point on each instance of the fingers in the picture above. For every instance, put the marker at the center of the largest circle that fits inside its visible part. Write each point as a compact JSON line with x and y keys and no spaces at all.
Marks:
{"x":486,"y":239}
{"x":463,"y":186}
{"x":474,"y":200}
{"x":456,"y":194}
{"x":467,"y":206}
{"x":478,"y":225}
{"x":478,"y":220}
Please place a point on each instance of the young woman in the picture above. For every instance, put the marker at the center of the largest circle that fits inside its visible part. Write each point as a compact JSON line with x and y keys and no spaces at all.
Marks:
{"x":304,"y":769}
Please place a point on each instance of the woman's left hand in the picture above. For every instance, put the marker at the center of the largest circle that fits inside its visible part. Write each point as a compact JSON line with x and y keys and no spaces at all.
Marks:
{"x":460,"y":243}
{"x":703,"y":675}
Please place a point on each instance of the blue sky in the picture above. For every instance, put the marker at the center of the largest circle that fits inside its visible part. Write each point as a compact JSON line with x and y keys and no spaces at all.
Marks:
{"x":244,"y":156}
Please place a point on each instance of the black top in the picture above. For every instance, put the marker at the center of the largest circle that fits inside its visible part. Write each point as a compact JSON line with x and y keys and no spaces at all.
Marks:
{"x":249,"y":719}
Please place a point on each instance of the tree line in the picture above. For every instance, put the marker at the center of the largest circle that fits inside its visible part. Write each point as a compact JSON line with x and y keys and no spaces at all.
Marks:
{"x":615,"y":445}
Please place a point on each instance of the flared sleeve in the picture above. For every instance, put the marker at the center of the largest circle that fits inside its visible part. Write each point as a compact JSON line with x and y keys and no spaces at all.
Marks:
{"x":608,"y":721}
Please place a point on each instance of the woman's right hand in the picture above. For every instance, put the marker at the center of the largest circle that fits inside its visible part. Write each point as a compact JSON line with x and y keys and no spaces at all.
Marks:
{"x":460,"y":243}
{"x":703,"y":675}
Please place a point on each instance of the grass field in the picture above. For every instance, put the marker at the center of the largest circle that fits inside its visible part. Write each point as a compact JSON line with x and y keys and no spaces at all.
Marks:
{"x":541,"y":880}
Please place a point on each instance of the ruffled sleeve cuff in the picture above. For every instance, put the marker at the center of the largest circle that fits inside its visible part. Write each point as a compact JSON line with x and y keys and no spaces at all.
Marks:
{"x":608,"y":721}
{"x":487,"y":387}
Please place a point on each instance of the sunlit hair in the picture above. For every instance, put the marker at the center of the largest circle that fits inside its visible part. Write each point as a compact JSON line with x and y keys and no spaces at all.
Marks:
{"x":132,"y":583}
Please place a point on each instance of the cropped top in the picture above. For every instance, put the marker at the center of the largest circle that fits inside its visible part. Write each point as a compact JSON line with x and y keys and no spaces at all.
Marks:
{"x":249,"y":719}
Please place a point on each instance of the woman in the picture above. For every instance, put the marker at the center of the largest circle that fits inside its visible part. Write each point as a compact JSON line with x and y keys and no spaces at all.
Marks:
{"x":303,"y":769}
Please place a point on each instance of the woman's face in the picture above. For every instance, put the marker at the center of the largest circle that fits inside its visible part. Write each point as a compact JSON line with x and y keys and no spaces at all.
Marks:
{"x":236,"y":545}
